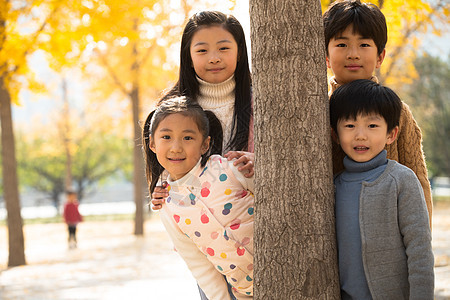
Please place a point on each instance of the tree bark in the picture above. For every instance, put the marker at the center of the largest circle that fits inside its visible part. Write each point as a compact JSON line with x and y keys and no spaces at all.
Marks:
{"x":138,"y":169}
{"x":295,"y":239}
{"x":138,"y":158}
{"x":10,"y":181}
{"x":66,"y":137}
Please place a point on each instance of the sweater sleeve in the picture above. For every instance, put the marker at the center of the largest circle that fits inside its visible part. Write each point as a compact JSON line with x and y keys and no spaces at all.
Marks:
{"x":413,"y":218}
{"x":208,"y":278}
{"x":247,"y":183}
{"x":410,"y":153}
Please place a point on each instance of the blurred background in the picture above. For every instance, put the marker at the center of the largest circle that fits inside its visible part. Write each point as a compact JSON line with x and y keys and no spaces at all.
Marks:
{"x":80,"y":77}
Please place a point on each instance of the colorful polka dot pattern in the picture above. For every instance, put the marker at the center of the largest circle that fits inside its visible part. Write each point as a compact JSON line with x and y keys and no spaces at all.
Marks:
{"x":217,"y":215}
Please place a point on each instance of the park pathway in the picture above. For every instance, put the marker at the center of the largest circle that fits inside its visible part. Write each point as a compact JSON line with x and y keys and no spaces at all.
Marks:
{"x":111,"y":263}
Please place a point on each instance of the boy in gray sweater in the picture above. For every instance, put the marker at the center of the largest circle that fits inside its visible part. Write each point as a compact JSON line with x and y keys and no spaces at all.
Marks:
{"x":384,"y":243}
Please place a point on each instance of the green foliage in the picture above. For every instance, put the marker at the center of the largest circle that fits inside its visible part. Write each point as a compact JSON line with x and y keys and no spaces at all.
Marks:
{"x":430,"y":101}
{"x":96,"y":157}
{"x":41,"y":169}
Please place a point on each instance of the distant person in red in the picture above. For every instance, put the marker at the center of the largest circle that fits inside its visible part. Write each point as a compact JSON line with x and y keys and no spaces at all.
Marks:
{"x":72,"y":217}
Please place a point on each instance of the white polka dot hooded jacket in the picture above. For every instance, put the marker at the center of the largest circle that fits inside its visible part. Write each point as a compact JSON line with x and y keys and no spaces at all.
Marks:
{"x":209,"y":216}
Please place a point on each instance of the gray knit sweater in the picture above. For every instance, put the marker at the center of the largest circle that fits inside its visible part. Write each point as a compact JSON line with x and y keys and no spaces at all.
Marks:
{"x":396,"y":247}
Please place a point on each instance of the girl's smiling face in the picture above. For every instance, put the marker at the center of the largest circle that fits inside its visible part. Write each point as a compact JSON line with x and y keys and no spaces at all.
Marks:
{"x":178,"y":144}
{"x":214,"y":53}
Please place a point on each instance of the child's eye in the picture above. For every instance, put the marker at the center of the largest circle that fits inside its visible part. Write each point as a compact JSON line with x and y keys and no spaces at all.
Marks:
{"x":349,"y":126}
{"x":201,"y":51}
{"x":224,"y":48}
{"x":165,"y":137}
{"x":188,"y":138}
{"x":341,"y":45}
{"x":373,"y":126}
{"x":365,"y":45}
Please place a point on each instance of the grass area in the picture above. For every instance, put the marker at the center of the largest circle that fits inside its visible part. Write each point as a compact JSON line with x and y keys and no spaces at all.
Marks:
{"x":59,"y":219}
{"x":441,"y":202}
{"x":441,"y":199}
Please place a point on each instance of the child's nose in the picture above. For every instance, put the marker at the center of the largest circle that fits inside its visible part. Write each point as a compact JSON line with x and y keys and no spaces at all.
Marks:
{"x":353,"y":53}
{"x":214,"y":58}
{"x":176,"y":147}
{"x":360,"y":134}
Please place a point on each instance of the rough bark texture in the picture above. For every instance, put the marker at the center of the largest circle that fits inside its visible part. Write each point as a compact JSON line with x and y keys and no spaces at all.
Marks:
{"x":294,"y":228}
{"x":10,"y":182}
{"x":138,"y":169}
{"x":139,"y":179}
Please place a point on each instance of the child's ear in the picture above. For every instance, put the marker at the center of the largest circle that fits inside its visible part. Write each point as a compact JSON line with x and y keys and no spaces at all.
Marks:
{"x":205,"y":145}
{"x":328,"y":63}
{"x":392,"y":136}
{"x":334,"y":136}
{"x":380,"y":59}
{"x":151,"y":144}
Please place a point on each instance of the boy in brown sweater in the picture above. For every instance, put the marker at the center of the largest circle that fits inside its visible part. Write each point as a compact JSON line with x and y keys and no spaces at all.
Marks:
{"x":355,"y":37}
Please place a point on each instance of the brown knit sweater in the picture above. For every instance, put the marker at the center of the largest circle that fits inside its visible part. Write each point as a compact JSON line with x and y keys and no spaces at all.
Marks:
{"x":406,"y":149}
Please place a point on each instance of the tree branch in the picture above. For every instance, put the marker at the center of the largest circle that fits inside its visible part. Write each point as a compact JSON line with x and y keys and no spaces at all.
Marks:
{"x":35,"y":36}
{"x":408,"y":32}
{"x":111,"y":72}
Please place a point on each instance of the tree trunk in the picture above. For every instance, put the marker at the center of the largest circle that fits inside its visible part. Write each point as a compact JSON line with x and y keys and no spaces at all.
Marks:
{"x":295,"y":239}
{"x":66,"y":136}
{"x":138,"y":157}
{"x":10,"y":182}
{"x":138,"y":169}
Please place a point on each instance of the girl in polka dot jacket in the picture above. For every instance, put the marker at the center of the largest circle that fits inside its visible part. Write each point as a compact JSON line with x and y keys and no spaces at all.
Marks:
{"x":209,"y":211}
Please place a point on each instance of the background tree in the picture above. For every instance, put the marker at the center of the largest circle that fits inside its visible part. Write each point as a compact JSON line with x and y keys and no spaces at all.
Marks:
{"x":429,"y":97}
{"x":294,"y":226}
{"x":42,"y":166}
{"x":1,"y":175}
{"x":97,"y":156}
{"x":15,"y":46}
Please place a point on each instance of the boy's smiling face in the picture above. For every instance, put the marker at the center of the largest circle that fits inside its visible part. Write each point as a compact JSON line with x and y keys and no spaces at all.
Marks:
{"x":364,"y":138}
{"x":352,"y":56}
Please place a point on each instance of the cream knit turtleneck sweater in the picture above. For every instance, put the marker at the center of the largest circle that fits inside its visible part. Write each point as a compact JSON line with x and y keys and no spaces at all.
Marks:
{"x":219,"y":98}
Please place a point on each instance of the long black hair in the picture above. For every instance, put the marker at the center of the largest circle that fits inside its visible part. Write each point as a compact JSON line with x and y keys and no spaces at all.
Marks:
{"x":188,"y":84}
{"x":207,"y":123}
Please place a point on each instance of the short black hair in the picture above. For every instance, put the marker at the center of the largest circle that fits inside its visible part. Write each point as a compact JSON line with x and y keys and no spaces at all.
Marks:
{"x":364,"y":97}
{"x":366,"y":18}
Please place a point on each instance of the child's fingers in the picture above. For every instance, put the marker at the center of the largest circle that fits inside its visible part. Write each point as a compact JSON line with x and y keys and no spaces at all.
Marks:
{"x":241,"y":160}
{"x":160,"y":192}
{"x":235,"y":154}
{"x":159,"y":201}
{"x":157,"y":204}
{"x":158,"y":196}
{"x":247,"y":169}
{"x":244,"y":158}
{"x":156,"y":207}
